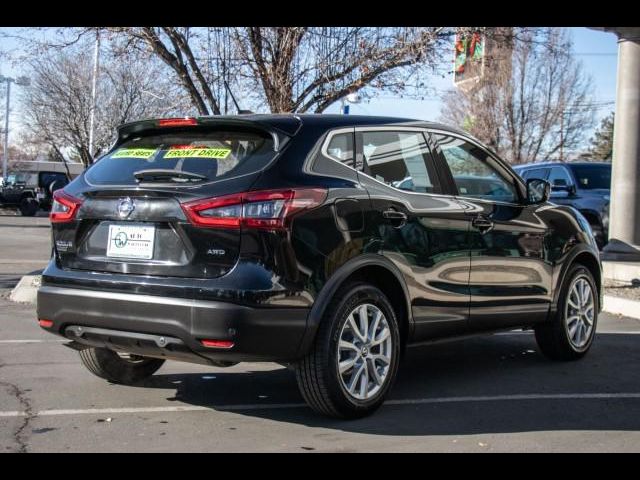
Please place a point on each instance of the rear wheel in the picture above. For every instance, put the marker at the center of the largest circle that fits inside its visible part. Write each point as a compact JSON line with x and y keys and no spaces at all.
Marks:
{"x":118,"y":367}
{"x":354,"y":361}
{"x":570,"y":335}
{"x":28,"y":206}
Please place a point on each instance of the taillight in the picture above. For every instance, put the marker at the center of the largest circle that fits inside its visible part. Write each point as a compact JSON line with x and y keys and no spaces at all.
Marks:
{"x":64,"y":207}
{"x":177,"y":122}
{"x":268,"y":209}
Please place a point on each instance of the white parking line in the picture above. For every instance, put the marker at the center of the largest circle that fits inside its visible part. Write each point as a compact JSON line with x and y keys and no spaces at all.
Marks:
{"x":31,"y":341}
{"x":13,"y":261}
{"x":608,"y":332}
{"x":281,"y":406}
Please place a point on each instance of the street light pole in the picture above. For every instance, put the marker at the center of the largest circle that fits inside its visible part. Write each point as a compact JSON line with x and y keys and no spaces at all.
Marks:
{"x":23,"y":82}
{"x":92,"y":114}
{"x":5,"y":153}
{"x":562,"y":135}
{"x":345,"y":101}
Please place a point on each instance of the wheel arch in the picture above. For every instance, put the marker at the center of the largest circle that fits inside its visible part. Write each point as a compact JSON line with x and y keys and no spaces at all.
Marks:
{"x":583,"y":256}
{"x":375,"y":270}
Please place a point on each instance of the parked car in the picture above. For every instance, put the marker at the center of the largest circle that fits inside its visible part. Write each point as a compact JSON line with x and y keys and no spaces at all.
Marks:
{"x":30,"y":184}
{"x":281,"y":238}
{"x":585,"y":186}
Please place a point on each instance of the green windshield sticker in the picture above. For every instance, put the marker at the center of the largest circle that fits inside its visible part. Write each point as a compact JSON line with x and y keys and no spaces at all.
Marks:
{"x":144,"y":153}
{"x":198,"y":153}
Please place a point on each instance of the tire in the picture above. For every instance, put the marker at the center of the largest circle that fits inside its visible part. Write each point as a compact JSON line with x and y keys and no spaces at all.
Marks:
{"x":555,"y":338}
{"x":320,"y":383}
{"x":599,"y":234}
{"x":28,"y":207}
{"x":109,"y":365}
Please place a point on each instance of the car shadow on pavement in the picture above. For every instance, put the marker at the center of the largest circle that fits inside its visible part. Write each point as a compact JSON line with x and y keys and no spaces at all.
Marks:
{"x":500,"y":365}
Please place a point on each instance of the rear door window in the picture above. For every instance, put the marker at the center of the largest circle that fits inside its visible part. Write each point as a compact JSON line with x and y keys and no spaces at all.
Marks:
{"x":590,"y":177}
{"x":206,"y":155}
{"x":400,"y":159}
{"x":340,"y":147}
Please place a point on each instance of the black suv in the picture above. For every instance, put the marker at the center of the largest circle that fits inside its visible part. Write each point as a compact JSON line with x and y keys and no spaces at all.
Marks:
{"x":586,"y":186}
{"x":30,"y":190}
{"x":282,"y":238}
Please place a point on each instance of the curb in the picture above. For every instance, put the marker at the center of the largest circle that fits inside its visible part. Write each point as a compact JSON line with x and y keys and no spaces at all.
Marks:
{"x":622,"y":306}
{"x":621,"y":271}
{"x":26,"y":290}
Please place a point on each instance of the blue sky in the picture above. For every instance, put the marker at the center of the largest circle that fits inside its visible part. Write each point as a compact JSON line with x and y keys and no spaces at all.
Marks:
{"x":595,"y":49}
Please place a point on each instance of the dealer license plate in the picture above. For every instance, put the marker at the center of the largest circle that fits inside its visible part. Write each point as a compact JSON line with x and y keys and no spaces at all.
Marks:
{"x":131,"y":241}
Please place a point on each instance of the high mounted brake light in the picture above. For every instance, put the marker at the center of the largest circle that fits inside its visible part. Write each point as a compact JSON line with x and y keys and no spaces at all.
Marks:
{"x":267,"y":209}
{"x":64,"y":207}
{"x":177,"y":122}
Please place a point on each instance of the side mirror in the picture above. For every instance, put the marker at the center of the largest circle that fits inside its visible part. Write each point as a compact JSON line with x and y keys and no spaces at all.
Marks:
{"x":538,"y":190}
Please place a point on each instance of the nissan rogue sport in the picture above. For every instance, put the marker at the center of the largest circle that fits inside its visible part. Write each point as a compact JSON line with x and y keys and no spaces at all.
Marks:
{"x":286,"y":238}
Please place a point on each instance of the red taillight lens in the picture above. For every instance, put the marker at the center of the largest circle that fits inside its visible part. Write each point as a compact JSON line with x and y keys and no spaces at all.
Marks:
{"x":64,"y":207}
{"x":217,"y":343}
{"x":177,"y":122}
{"x":269,"y":209}
{"x":45,"y":323}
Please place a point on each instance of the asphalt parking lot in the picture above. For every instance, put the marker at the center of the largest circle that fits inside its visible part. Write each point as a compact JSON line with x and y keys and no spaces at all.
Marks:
{"x":25,"y":245}
{"x":486,"y":394}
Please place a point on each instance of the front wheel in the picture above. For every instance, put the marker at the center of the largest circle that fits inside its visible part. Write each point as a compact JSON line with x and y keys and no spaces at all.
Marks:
{"x":570,"y":335}
{"x":120,"y":368}
{"x":354,"y":360}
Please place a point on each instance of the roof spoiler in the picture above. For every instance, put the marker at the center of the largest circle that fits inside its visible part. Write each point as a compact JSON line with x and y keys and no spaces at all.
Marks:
{"x":280,"y":136}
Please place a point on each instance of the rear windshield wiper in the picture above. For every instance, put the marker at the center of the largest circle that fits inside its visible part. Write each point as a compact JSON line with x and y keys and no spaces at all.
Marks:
{"x":167,"y":175}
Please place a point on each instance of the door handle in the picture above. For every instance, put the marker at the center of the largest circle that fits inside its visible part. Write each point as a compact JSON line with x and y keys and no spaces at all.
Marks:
{"x":482,"y":224}
{"x":398,"y":219}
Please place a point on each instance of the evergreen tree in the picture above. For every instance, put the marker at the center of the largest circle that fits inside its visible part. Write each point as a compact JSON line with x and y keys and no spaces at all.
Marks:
{"x":602,"y":142}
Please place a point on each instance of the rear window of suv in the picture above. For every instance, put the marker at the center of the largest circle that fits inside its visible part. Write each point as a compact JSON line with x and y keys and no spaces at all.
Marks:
{"x":212,"y":155}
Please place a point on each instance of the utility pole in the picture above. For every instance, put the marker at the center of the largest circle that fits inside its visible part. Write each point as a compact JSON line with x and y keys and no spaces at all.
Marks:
{"x":5,"y":155}
{"x":24,"y":82}
{"x":562,"y":135}
{"x":94,"y":83}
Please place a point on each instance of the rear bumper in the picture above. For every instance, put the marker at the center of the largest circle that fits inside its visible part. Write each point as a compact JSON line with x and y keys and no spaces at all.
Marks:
{"x":172,"y":327}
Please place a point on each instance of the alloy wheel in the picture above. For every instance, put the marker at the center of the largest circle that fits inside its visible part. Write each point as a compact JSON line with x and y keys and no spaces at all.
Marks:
{"x":580,"y":312}
{"x":364,"y":352}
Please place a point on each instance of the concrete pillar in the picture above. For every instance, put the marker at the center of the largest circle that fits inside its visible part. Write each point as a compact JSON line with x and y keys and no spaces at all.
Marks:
{"x":624,"y":215}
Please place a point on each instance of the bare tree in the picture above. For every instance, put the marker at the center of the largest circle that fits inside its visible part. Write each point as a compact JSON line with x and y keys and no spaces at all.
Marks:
{"x":56,"y":108}
{"x":307,"y":69}
{"x":288,"y":69}
{"x":533,"y":106}
{"x":181,"y":49}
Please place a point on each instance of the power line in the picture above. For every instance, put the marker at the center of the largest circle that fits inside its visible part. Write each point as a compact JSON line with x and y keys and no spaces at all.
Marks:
{"x":596,"y":54}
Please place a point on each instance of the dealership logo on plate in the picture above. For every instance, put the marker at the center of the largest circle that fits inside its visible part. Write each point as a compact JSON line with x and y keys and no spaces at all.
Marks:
{"x":125,"y":207}
{"x":121,"y":240}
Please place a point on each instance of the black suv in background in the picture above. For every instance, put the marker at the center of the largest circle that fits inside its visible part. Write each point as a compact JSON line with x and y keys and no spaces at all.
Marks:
{"x":287,"y":238}
{"x":586,"y":186}
{"x":29,"y":185}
